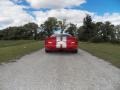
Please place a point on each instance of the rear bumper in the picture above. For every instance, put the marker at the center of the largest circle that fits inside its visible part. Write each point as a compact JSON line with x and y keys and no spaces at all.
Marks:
{"x":70,"y":48}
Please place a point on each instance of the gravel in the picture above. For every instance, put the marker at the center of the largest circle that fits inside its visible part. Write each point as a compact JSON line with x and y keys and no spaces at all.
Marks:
{"x":59,"y":71}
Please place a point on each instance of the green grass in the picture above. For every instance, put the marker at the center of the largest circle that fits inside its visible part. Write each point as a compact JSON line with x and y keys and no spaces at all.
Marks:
{"x":7,"y":43}
{"x":10,"y":50}
{"x":107,"y":51}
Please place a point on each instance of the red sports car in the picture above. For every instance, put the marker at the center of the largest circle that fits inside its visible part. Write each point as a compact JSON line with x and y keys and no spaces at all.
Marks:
{"x":61,"y":42}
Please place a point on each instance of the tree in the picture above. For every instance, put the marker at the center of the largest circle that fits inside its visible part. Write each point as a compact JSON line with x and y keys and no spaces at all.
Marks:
{"x":106,"y":31}
{"x":80,"y":34}
{"x":49,"y":26}
{"x":71,"y":29}
{"x":63,"y":25}
{"x":98,"y":32}
{"x":117,"y":33}
{"x":87,"y":29}
{"x":32,"y":29}
{"x":1,"y":35}
{"x":109,"y":31}
{"x":22,"y":32}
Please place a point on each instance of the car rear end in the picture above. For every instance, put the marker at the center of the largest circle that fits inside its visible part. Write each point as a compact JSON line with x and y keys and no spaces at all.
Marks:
{"x":62,"y":42}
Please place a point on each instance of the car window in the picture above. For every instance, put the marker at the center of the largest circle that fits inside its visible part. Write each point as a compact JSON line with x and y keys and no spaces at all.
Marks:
{"x":60,"y":35}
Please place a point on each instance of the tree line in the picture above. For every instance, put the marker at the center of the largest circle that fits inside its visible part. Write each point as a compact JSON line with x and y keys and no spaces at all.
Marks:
{"x":89,"y":31}
{"x":26,"y":32}
{"x":99,"y":31}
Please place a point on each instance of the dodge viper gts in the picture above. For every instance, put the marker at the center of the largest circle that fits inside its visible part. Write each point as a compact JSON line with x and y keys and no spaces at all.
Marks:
{"x":61,"y":42}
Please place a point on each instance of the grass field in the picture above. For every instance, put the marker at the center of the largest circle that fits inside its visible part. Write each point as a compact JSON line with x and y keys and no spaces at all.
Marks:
{"x":106,"y":51}
{"x":10,"y":50}
{"x":7,"y":43}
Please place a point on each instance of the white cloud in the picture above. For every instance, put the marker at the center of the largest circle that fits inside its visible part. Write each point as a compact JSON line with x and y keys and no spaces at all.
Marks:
{"x":73,"y":16}
{"x":114,"y":18}
{"x":76,"y":16}
{"x":12,"y":15}
{"x":55,"y":4}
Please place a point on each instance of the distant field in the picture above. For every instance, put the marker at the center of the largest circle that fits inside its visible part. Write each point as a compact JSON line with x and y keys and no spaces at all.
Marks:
{"x":10,"y":50}
{"x":106,"y":51}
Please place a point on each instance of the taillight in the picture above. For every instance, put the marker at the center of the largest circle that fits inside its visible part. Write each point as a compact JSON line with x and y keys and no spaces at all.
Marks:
{"x":73,"y":42}
{"x":49,"y":42}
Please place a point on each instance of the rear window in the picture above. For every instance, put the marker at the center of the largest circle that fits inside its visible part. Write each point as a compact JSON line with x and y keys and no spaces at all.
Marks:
{"x":60,"y":35}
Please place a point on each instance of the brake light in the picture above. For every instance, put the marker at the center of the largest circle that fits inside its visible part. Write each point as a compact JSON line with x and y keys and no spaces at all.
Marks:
{"x":49,"y":42}
{"x":73,"y":42}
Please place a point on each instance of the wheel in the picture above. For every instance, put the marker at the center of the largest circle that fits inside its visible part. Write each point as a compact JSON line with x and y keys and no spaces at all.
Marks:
{"x":75,"y":51}
{"x":47,"y":51}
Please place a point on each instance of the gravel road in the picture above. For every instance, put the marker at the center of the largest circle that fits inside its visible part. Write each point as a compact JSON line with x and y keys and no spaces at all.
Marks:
{"x":59,"y":71}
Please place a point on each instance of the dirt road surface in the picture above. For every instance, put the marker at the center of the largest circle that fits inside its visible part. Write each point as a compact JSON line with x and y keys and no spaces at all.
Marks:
{"x":59,"y":71}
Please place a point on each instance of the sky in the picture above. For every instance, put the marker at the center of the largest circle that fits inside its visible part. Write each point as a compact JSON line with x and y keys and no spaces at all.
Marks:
{"x":20,"y":12}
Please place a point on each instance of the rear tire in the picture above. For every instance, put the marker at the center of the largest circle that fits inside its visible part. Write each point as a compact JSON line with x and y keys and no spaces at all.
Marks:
{"x":47,"y":51}
{"x":75,"y":51}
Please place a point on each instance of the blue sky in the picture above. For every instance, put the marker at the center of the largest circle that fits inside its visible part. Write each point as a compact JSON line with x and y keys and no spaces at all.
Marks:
{"x":101,"y":6}
{"x":20,"y":12}
{"x":98,"y":6}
